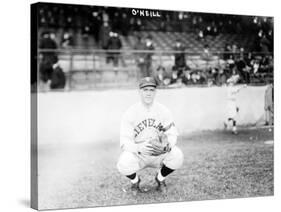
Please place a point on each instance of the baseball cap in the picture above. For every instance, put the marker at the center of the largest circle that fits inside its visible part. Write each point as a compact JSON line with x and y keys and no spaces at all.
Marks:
{"x":147,"y":81}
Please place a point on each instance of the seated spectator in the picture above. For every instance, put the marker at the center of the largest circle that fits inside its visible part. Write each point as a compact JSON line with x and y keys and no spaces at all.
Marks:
{"x":214,"y":30}
{"x":249,"y":58}
{"x":201,"y":36}
{"x":174,"y":77}
{"x":270,"y":39}
{"x":161,"y":77}
{"x":180,"y":55}
{"x":270,"y":63}
{"x":221,"y":77}
{"x":179,"y":73}
{"x":139,"y":24}
{"x":57,"y":78}
{"x":235,"y":51}
{"x":264,"y":44}
{"x":48,"y":58}
{"x":210,"y":74}
{"x":227,"y":52}
{"x":208,"y":31}
{"x":48,"y":42}
{"x":186,"y":78}
{"x":67,"y":41}
{"x":256,"y":66}
{"x":197,"y":77}
{"x":203,"y":77}
{"x":266,"y":64}
{"x":230,"y":63}
{"x":206,"y":54}
{"x":243,"y":69}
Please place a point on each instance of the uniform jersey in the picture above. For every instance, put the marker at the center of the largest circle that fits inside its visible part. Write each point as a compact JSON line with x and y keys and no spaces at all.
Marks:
{"x":231,"y":101}
{"x":139,"y":124}
{"x":269,"y":98}
{"x":231,"y":93}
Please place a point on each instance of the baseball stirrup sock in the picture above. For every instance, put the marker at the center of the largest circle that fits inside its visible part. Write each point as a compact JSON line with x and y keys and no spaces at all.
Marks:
{"x":233,"y":121}
{"x":133,"y":177}
{"x":164,"y":172}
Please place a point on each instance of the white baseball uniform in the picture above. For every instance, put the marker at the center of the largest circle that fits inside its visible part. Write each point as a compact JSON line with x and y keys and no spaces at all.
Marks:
{"x":231,"y":101}
{"x":138,"y":125}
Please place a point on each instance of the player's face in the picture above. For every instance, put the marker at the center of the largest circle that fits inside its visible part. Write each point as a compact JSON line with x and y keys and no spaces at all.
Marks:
{"x":147,"y":95}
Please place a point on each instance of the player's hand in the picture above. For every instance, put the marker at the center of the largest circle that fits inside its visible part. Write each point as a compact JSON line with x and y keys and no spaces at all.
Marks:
{"x":159,"y":145}
{"x":144,"y":148}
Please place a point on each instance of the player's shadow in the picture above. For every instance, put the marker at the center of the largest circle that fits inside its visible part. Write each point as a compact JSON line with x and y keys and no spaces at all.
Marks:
{"x":25,"y":202}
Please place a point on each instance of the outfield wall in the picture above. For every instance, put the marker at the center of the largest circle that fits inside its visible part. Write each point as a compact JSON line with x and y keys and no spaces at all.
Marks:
{"x":93,"y":116}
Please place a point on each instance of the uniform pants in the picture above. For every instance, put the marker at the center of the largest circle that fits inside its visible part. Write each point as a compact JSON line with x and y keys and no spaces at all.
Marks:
{"x":129,"y":163}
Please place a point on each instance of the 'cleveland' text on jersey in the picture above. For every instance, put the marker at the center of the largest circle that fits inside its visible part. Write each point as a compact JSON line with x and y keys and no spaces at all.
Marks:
{"x":150,"y":122}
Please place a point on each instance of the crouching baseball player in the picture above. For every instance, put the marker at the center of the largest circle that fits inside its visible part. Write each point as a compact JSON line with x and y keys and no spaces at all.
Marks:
{"x":148,"y":138}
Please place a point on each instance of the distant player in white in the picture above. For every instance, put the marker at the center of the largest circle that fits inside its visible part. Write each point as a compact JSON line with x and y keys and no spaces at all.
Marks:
{"x":268,"y":105}
{"x":232,"y":109}
{"x":141,"y":123}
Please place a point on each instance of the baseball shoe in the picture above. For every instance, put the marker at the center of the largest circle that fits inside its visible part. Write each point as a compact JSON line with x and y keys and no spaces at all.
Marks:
{"x":161,"y":185}
{"x":135,"y":188}
{"x":234,"y":132}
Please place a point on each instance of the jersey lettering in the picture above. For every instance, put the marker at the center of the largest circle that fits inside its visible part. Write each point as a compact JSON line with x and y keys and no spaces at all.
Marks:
{"x":145,"y":124}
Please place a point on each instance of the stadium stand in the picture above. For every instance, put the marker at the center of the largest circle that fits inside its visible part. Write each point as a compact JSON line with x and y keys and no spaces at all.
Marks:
{"x":80,"y":34}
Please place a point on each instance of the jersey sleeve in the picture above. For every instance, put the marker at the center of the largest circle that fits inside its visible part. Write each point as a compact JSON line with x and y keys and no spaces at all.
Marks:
{"x":172,"y":132}
{"x":127,"y":133}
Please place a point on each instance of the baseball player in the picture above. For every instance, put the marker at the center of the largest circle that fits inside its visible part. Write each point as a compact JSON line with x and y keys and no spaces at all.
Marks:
{"x":232,"y":109}
{"x":268,"y":105}
{"x":148,"y":138}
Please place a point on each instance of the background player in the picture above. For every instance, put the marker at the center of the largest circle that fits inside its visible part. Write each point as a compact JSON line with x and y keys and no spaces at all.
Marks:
{"x":142,"y":124}
{"x":232,"y":109}
{"x":268,"y":105}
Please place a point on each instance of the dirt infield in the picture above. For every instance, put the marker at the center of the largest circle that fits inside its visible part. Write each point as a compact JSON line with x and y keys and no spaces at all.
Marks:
{"x":217,"y":165}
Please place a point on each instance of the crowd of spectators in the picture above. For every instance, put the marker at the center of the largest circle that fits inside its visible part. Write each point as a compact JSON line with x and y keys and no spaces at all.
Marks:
{"x":99,"y":21}
{"x":251,"y":68}
{"x":106,"y":24}
{"x":50,"y":73}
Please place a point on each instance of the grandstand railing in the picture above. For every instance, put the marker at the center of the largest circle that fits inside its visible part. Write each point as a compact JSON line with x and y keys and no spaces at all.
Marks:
{"x":89,"y":68}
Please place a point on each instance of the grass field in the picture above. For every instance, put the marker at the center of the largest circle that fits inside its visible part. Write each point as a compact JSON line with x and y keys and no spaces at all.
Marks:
{"x":217,"y":165}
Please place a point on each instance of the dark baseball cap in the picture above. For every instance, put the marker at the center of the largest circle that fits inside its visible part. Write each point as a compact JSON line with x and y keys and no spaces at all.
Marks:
{"x":147,"y":81}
